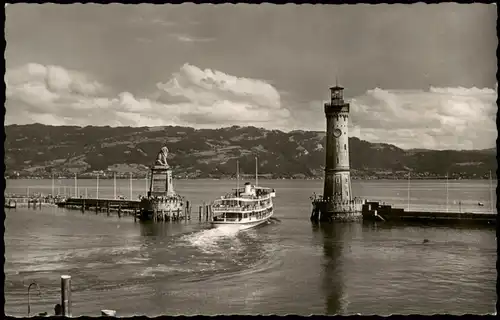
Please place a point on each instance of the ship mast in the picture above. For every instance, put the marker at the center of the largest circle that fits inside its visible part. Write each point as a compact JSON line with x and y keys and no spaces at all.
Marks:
{"x":408,"y":190}
{"x":491,"y":196}
{"x":256,"y":171}
{"x":446,"y":191}
{"x":237,"y":178}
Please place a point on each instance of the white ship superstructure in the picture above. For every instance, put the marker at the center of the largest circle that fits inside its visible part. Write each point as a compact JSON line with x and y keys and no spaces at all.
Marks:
{"x":245,"y":207}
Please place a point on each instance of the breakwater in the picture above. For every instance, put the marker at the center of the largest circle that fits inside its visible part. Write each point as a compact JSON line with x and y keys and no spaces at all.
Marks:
{"x":374,"y":211}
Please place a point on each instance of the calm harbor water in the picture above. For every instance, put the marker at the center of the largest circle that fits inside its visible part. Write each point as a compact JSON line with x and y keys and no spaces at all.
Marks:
{"x":286,"y":267}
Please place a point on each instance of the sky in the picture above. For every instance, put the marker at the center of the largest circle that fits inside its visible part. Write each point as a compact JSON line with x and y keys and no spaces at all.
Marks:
{"x":416,"y":76}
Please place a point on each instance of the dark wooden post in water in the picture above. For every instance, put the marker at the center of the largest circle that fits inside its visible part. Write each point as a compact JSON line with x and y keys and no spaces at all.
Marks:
{"x":83,"y":206}
{"x":66,"y":295}
{"x":97,"y":207}
{"x":120,"y":210}
{"x":199,"y":213}
{"x":107,"y":207}
{"x":206,"y":212}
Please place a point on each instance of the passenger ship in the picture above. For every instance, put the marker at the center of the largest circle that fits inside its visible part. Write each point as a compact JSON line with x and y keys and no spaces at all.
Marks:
{"x":244,"y":208}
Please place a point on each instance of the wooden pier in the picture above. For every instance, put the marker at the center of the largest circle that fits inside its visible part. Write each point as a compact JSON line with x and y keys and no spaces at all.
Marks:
{"x":133,"y":207}
{"x":101,"y":205}
{"x":374,"y":211}
{"x":13,"y":202}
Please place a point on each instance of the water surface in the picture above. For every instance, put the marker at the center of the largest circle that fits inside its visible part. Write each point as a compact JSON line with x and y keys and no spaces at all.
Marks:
{"x":287,"y":267}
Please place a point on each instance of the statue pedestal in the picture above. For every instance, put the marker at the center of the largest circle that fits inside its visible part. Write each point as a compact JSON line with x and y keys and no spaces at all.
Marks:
{"x":161,"y":181}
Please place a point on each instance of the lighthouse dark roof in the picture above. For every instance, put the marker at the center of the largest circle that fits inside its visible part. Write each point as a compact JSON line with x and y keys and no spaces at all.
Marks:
{"x":336,"y":88}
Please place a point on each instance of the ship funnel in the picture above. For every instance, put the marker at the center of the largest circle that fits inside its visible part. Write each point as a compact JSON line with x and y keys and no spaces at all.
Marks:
{"x":248,"y":188}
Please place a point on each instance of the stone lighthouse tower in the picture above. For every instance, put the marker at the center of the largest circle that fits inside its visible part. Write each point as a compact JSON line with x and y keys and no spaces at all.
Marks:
{"x":337,"y":202}
{"x":337,"y":175}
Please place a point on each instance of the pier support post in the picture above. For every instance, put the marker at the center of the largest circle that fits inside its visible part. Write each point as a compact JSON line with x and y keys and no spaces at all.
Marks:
{"x":107,"y":207}
{"x":119,"y":210}
{"x":28,"y":203}
{"x":199,"y":213}
{"x":66,"y":295}
{"x":206,"y":212}
{"x":40,"y":205}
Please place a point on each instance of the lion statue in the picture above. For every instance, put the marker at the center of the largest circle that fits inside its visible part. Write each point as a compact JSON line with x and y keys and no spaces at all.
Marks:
{"x":162,"y":157}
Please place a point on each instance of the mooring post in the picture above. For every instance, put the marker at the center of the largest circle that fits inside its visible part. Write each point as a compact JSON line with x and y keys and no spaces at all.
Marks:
{"x":119,"y":210}
{"x":206,"y":212}
{"x":83,"y":205}
{"x":199,"y":213}
{"x":66,"y":295}
{"x":107,"y":207}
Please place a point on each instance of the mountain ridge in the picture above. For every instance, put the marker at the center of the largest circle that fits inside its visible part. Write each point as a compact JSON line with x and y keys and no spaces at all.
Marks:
{"x":42,"y":150}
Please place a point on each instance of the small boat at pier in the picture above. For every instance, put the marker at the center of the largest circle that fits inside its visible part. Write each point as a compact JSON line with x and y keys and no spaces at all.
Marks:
{"x":11,"y":204}
{"x":244,"y":208}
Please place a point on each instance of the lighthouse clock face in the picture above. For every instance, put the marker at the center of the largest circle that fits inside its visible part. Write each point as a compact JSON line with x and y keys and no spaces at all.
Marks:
{"x":337,"y":133}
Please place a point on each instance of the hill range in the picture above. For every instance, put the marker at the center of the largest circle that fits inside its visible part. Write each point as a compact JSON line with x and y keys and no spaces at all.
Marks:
{"x":38,"y":150}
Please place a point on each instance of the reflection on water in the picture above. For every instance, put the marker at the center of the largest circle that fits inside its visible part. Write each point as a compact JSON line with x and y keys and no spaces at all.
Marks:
{"x":333,"y":237}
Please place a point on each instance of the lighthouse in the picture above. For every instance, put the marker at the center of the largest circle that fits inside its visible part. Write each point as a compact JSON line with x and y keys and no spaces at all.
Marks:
{"x":337,"y":202}
{"x":337,"y":185}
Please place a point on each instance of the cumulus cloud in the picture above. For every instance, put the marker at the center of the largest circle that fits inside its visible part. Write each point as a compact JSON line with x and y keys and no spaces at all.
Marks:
{"x":191,"y":97}
{"x":440,"y":118}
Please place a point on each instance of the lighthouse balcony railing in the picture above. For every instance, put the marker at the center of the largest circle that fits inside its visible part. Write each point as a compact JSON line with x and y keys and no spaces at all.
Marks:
{"x":354,"y":201}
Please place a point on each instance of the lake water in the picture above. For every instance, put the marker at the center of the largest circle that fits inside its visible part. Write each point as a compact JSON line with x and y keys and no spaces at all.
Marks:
{"x":286,"y":267}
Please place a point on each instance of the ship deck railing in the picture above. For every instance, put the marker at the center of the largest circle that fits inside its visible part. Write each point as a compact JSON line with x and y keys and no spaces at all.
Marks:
{"x":219,"y":209}
{"x":244,"y":197}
